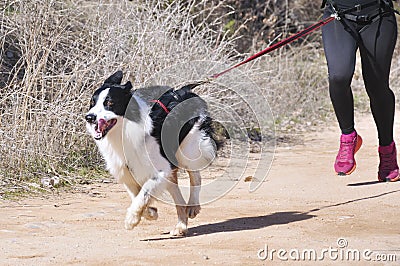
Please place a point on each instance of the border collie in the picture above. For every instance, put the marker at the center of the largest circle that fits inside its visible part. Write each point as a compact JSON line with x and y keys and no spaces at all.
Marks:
{"x":145,"y":136}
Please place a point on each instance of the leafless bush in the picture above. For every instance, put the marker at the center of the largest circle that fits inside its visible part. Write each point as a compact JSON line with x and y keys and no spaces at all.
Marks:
{"x":55,"y":53}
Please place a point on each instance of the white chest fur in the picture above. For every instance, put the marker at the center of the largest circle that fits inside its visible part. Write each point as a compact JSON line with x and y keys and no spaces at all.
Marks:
{"x":130,"y":145}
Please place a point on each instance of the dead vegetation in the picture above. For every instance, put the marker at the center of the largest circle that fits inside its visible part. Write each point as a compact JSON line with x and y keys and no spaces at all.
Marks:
{"x":54,"y":53}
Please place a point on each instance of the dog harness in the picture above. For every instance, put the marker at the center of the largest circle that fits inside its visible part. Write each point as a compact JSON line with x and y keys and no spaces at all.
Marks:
{"x":161,"y":105}
{"x":171,"y":98}
{"x":177,"y":123}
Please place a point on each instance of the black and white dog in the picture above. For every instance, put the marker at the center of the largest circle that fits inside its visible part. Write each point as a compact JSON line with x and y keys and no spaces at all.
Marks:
{"x":145,"y":135}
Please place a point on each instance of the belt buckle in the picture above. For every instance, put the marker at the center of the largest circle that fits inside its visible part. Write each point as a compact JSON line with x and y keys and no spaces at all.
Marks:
{"x":363,"y":18}
{"x":358,"y":8}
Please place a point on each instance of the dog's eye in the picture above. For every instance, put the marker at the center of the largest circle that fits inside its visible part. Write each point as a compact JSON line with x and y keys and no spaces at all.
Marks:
{"x":108,"y":103}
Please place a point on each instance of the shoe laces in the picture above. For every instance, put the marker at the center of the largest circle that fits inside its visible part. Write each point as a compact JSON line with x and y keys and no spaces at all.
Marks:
{"x":346,"y":150}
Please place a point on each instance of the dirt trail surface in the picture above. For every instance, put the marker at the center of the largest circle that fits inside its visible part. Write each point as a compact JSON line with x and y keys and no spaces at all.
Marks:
{"x":301,"y":206}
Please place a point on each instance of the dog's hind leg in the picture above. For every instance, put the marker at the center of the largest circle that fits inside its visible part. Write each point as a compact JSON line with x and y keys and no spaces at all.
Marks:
{"x":180,"y":204}
{"x":193,"y":207}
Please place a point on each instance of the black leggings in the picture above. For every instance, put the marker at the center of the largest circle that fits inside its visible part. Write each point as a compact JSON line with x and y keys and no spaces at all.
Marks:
{"x":378,"y":40}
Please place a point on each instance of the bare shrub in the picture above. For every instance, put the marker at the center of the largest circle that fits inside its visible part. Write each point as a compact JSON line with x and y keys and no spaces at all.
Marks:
{"x":55,"y":53}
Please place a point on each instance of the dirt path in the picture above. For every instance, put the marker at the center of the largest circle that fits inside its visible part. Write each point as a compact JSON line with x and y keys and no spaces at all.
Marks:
{"x":301,"y":207}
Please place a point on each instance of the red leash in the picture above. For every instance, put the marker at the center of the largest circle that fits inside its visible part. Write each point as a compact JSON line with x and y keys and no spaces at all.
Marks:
{"x":263,"y":52}
{"x":279,"y":44}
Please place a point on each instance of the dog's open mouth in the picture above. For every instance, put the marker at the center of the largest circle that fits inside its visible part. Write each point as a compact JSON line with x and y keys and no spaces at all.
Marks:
{"x":102,"y":128}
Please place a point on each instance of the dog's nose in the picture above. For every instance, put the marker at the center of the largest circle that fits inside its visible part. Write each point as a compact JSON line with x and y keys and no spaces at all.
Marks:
{"x":90,"y":118}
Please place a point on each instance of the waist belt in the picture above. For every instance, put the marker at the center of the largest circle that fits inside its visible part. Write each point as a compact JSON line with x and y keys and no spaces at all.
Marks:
{"x":356,"y":8}
{"x":381,"y":5}
{"x":365,"y":18}
{"x":379,"y":8}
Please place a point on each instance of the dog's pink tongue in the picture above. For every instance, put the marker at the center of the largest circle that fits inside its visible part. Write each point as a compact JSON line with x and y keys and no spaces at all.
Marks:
{"x":101,"y":125}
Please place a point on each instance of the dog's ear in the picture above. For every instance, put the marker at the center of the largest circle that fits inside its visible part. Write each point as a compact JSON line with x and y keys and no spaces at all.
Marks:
{"x":128,"y":86}
{"x":115,"y":78}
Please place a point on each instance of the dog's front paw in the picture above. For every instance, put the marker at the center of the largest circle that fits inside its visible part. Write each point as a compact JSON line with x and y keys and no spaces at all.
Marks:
{"x":150,"y":213}
{"x":192,"y":211}
{"x":180,"y":230}
{"x":131,"y":220}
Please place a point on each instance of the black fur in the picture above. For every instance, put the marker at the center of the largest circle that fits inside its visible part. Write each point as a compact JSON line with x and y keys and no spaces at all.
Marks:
{"x":178,"y":123}
{"x":118,"y":96}
{"x":185,"y":109}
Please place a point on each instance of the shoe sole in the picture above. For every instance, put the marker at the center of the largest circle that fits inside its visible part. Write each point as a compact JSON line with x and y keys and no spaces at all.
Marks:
{"x":358,"y":146}
{"x":389,"y":179}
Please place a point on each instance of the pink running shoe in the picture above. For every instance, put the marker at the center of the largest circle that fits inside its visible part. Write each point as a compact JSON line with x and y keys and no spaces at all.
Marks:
{"x":345,"y":163}
{"x":388,"y":168}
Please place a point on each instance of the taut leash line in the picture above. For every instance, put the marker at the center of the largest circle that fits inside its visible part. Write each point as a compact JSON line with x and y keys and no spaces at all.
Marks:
{"x":279,"y":44}
{"x":336,"y":15}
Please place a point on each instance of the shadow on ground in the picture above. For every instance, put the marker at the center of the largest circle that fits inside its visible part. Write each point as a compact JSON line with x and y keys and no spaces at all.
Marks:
{"x":258,"y":222}
{"x":243,"y":224}
{"x":249,"y":223}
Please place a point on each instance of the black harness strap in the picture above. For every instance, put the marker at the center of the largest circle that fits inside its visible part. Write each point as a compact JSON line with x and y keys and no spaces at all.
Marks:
{"x":358,"y":8}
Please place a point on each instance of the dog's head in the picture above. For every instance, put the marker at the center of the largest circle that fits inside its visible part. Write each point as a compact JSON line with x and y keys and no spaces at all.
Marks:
{"x":108,"y":106}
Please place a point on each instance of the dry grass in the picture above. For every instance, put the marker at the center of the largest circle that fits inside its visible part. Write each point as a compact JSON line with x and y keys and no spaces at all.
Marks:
{"x":55,"y":53}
